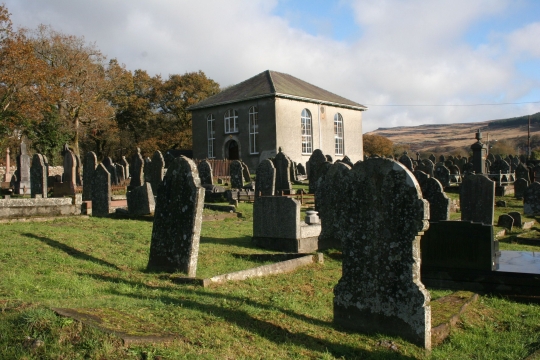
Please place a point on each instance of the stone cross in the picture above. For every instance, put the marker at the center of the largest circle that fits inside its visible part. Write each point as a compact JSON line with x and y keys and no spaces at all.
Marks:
{"x":266,"y":179}
{"x":137,"y":169}
{"x":178,"y":219}
{"x":156,"y":170}
{"x":101,"y":192}
{"x":38,"y":176}
{"x":477,"y":199}
{"x":235,"y":172}
{"x":89,"y":167}
{"x":383,"y":217}
{"x":205,"y":172}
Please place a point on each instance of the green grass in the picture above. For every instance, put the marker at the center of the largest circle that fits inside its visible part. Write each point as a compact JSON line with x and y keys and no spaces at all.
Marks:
{"x":98,"y":266}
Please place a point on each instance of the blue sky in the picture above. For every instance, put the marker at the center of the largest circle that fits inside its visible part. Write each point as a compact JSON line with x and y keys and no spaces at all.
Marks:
{"x":374,"y":52}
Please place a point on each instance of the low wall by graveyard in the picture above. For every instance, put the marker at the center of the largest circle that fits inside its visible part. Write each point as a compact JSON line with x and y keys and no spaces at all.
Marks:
{"x":53,"y":170}
{"x":18,"y":208}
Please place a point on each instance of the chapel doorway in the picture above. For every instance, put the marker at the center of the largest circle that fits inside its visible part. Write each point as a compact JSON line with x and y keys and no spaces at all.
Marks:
{"x":232,"y":150}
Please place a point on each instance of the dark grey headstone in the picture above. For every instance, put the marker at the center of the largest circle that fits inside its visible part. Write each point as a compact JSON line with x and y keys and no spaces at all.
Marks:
{"x":380,"y":290}
{"x":301,"y":169}
{"x":448,"y":163}
{"x":140,"y":200}
{"x":111,"y":168}
{"x":276,"y":217}
{"x":477,"y":199}
{"x":120,"y":173}
{"x":101,"y":192}
{"x":439,"y":203}
{"x":442,"y":173}
{"x":522,"y":172}
{"x":407,"y":161}
{"x":78,"y":169}
{"x":442,"y":159}
{"x":90,"y":164}
{"x":499,"y":166}
{"x":266,"y":178}
{"x":329,"y":158}
{"x":315,"y":160}
{"x":245,"y":172}
{"x":283,"y":181}
{"x":156,"y":170}
{"x":531,"y":199}
{"x":38,"y":177}
{"x":432,"y":158}
{"x":427,"y":167}
{"x":70,"y":168}
{"x":506,"y":221}
{"x":490,"y":157}
{"x":235,"y":172}
{"x":518,"y":220}
{"x":329,"y":197}
{"x":293,"y":171}
{"x":520,"y":185}
{"x":147,"y":169}
{"x":177,"y":219}
{"x":347,"y":161}
{"x":137,"y":169}
{"x":205,"y":172}
{"x":125,"y":164}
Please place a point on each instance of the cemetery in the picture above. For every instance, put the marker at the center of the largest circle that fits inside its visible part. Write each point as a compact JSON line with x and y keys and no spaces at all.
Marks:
{"x":369,"y":259}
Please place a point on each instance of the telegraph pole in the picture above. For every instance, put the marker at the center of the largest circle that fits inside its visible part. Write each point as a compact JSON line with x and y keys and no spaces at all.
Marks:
{"x":529,"y":139}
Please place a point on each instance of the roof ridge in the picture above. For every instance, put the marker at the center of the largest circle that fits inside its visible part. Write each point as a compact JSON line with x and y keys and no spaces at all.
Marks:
{"x":273,"y":87}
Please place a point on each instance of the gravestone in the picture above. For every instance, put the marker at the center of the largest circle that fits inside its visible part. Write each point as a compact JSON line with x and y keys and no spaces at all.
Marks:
{"x":518,"y":220}
{"x":426,"y":166}
{"x":407,"y":161}
{"x":477,"y":199}
{"x":506,"y":221}
{"x":235,"y":172}
{"x":140,"y":200}
{"x":461,"y":163}
{"x":448,"y":163}
{"x":205,"y":172}
{"x":520,"y":185}
{"x":120,"y":173}
{"x":329,"y":159}
{"x":70,"y":166}
{"x":101,"y":192}
{"x":266,"y":179}
{"x":454,"y":170}
{"x":522,"y":172}
{"x":22,"y":173}
{"x":439,"y":203}
{"x":328,"y":203}
{"x":531,"y":199}
{"x":347,"y":161}
{"x":7,"y":175}
{"x":301,"y":169}
{"x":432,"y":158}
{"x":90,"y":164}
{"x":293,"y":171}
{"x":78,"y":168}
{"x":316,"y":170}
{"x":125,"y":164}
{"x":515,"y":163}
{"x":156,"y":170}
{"x":523,"y":159}
{"x":282,"y":163}
{"x":137,"y":169}
{"x":147,"y":169}
{"x":499,"y":166}
{"x":442,"y":159}
{"x":38,"y":177}
{"x":177,"y":219}
{"x":245,"y":172}
{"x":442,"y":173}
{"x":380,"y":289}
{"x":111,"y":168}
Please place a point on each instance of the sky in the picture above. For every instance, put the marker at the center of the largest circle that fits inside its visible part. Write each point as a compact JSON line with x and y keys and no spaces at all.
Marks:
{"x":412,"y":62}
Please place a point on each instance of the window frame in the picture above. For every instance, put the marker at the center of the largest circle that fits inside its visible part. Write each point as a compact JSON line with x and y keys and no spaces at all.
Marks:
{"x":307,"y":132}
{"x":339,"y":141}
{"x":231,"y":114}
{"x":210,"y":135}
{"x":253,"y":129}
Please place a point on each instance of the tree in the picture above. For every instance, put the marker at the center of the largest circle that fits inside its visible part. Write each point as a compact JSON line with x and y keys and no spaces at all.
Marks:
{"x":377,"y":145}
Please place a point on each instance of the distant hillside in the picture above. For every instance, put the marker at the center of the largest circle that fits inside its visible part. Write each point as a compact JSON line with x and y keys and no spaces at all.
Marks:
{"x":436,"y":137}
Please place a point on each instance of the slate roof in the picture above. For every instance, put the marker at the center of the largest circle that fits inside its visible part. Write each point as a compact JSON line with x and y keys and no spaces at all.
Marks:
{"x":275,"y":84}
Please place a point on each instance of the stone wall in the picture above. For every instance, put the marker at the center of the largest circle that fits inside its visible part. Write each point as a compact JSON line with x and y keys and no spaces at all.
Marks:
{"x":53,"y":170}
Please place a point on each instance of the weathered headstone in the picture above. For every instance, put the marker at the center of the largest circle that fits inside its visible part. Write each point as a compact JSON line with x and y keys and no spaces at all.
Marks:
{"x":101,"y":192}
{"x":520,"y":185}
{"x":282,"y":163}
{"x":7,"y":175}
{"x":442,"y":173}
{"x":426,"y":166}
{"x":38,"y":177}
{"x":156,"y":170}
{"x":120,"y":173}
{"x":22,"y":173}
{"x":432,"y":158}
{"x":245,"y":172}
{"x":111,"y":168}
{"x":293,"y":171}
{"x":205,"y":172}
{"x":301,"y":169}
{"x":477,"y":199}
{"x":125,"y":164}
{"x":266,"y":179}
{"x":328,"y":202}
{"x":518,"y":219}
{"x":177,"y":219}
{"x":522,"y":172}
{"x":329,"y":158}
{"x":90,"y":164}
{"x":70,"y":167}
{"x":140,"y":200}
{"x":147,"y":169}
{"x":531,"y":199}
{"x":347,"y":160}
{"x":235,"y":172}
{"x":407,"y":161}
{"x":499,"y":166}
{"x":78,"y":168}
{"x":506,"y":221}
{"x":442,"y":159}
{"x":315,"y":161}
{"x":380,"y":290}
{"x":137,"y":169}
{"x":439,"y":203}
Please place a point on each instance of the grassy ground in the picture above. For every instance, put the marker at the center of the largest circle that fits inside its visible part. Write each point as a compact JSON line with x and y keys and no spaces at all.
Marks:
{"x":98,"y":266}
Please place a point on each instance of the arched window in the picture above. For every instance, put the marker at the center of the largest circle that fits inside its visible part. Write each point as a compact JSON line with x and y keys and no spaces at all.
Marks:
{"x":210,"y":135}
{"x":231,"y":121}
{"x":253,"y":129}
{"x":338,"y":133}
{"x":307,"y":144}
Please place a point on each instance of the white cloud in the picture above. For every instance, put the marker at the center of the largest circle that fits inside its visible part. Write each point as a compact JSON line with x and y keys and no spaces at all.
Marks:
{"x":410,"y":52}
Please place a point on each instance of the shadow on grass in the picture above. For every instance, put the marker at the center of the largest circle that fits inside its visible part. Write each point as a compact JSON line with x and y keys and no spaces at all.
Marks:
{"x":71,"y":251}
{"x":272,"y":332}
{"x":244,"y":241}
